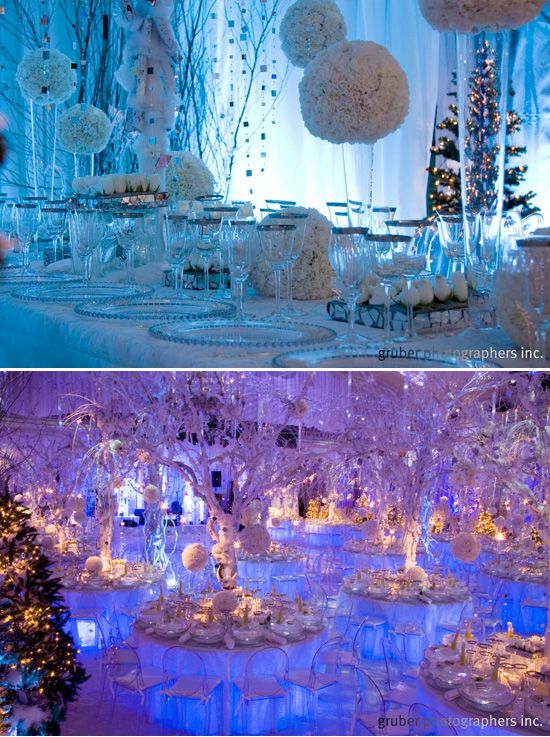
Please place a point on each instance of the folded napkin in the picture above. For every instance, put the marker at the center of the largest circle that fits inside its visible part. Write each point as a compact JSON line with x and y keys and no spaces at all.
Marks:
{"x":229,"y":641}
{"x":274,"y":638}
{"x":451,"y":695}
{"x":187,"y":636}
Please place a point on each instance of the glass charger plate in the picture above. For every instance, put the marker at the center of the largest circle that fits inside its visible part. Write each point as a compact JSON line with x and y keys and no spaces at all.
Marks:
{"x":157,"y":308}
{"x":16,"y":277}
{"x":80,"y":292}
{"x":245,"y":334}
{"x":367,"y":358}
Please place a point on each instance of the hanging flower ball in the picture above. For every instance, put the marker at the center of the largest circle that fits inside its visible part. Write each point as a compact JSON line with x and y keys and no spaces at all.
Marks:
{"x":255,"y":540}
{"x":46,"y":76}
{"x":187,"y":177}
{"x":151,"y":494}
{"x":94,"y":564}
{"x":252,"y":513}
{"x":354,"y":92}
{"x":466,"y":547}
{"x":225,"y":602}
{"x":473,"y":16}
{"x":416,"y":574}
{"x":83,"y":129}
{"x":308,"y":27}
{"x":195,"y":557}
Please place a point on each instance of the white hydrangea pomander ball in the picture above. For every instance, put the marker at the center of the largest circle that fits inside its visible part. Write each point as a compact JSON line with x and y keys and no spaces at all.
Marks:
{"x":308,"y":27}
{"x":151,"y":494}
{"x":195,"y":557}
{"x":225,"y":602}
{"x":187,"y":177}
{"x":46,"y":76}
{"x":94,"y":564}
{"x":83,"y":129}
{"x":473,"y":16}
{"x":312,"y":273}
{"x":354,"y":92}
{"x":466,"y":547}
{"x":252,"y":513}
{"x":255,"y":540}
{"x":416,"y":574}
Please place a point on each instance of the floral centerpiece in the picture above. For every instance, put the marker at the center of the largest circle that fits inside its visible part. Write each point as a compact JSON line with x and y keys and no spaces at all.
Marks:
{"x":187,"y":177}
{"x":472,"y":16}
{"x":83,"y":129}
{"x":46,"y":76}
{"x":308,"y":27}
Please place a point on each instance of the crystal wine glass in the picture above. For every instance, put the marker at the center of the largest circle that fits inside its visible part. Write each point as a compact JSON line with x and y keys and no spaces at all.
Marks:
{"x":128,"y":227}
{"x":242,"y":247}
{"x":452,"y":239}
{"x":205,"y":233}
{"x":224,"y":213}
{"x":179,"y":245}
{"x":380,"y":218}
{"x":88,"y":227}
{"x":385,"y":268}
{"x":277,"y":242}
{"x":349,"y":255}
{"x":299,"y":219}
{"x":536,"y":288}
{"x":27,"y":220}
{"x":54,"y":216}
{"x":409,"y":257}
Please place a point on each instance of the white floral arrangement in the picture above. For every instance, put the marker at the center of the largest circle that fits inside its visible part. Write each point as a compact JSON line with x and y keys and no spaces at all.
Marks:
{"x":416,"y":574}
{"x":312,"y":274}
{"x":473,"y":16}
{"x":466,"y":547}
{"x":83,"y":129}
{"x":308,"y":27}
{"x":46,"y":76}
{"x":225,"y":602}
{"x":255,"y":540}
{"x":195,"y":557}
{"x":187,"y":177}
{"x":110,"y":184}
{"x":151,"y":494}
{"x":94,"y":564}
{"x":354,"y":92}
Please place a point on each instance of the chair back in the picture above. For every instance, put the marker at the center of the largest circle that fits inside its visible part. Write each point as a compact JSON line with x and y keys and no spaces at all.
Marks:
{"x":335,"y":643}
{"x":423,"y":720}
{"x":268,"y":661}
{"x":368,"y":698}
{"x":179,"y":662}
{"x":126,"y":662}
{"x":393,"y":660}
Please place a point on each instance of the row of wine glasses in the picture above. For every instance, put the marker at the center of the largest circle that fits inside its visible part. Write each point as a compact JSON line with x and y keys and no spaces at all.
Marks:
{"x":24,"y":218}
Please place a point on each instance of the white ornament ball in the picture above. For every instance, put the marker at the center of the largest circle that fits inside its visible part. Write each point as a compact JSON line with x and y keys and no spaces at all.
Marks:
{"x":46,"y":76}
{"x":472,"y":16}
{"x":416,"y":574}
{"x":94,"y":564}
{"x":354,"y":92}
{"x":195,"y":557}
{"x":151,"y":494}
{"x":225,"y":602}
{"x":255,"y":540}
{"x":308,"y":27}
{"x":466,"y":547}
{"x":410,"y":296}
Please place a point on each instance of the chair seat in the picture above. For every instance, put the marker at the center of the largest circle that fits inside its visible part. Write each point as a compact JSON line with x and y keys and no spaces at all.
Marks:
{"x":339,"y":657}
{"x":192,"y":687}
{"x":150,"y":677}
{"x":260,"y":687}
{"x":302,"y":677}
{"x":401,"y":694}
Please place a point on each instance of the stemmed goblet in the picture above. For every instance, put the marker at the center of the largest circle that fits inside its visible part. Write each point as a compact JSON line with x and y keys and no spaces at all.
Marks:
{"x":242,"y":246}
{"x":277,"y":242}
{"x":224,"y":213}
{"x":87,"y":230}
{"x":409,"y":257}
{"x":349,"y":255}
{"x":385,"y":268}
{"x":27,"y":220}
{"x":299,"y":219}
{"x":128,"y":227}
{"x":536,"y":288}
{"x":205,"y":233}
{"x":54,"y":215}
{"x":179,"y":245}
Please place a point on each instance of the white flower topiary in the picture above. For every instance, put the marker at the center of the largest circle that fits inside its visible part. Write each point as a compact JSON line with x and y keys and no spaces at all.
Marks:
{"x":46,"y":76}
{"x":466,"y":547}
{"x":187,"y":177}
{"x":473,"y":16}
{"x":94,"y":564}
{"x":354,"y":92}
{"x":83,"y":129}
{"x":255,"y":540}
{"x":195,"y":557}
{"x":308,"y":27}
{"x":225,"y":602}
{"x":416,"y":574}
{"x":312,"y":275}
{"x":151,"y":494}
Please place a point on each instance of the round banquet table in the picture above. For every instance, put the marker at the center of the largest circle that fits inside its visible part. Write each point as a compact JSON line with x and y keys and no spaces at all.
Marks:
{"x":284,"y":532}
{"x":286,"y":575}
{"x":333,"y":536}
{"x":396,"y":612}
{"x":223,"y":664}
{"x":529,"y":621}
{"x":372,"y":561}
{"x":123,"y":602}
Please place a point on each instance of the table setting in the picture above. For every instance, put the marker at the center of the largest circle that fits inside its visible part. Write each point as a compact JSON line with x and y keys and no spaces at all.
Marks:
{"x":282,"y":567}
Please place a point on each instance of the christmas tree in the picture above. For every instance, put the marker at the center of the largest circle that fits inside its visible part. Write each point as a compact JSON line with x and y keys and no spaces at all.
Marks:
{"x":39,"y":673}
{"x":485,"y":524}
{"x":444,"y":190}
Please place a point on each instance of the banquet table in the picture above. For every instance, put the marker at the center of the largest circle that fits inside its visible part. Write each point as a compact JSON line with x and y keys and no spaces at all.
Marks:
{"x":221,"y":663}
{"x":319,"y":535}
{"x":514,"y":592}
{"x":287,"y":576}
{"x":372,"y":561}
{"x":51,"y":335}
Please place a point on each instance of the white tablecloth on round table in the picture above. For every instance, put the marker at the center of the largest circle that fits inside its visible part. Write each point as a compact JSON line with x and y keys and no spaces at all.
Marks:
{"x":427,"y":616}
{"x":372,"y":561}
{"x":226,"y":665}
{"x":260,"y":575}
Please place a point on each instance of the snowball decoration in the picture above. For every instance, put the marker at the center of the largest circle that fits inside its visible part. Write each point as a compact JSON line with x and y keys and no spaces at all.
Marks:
{"x":225,"y":602}
{"x":354,"y":92}
{"x":416,"y":574}
{"x":151,"y":494}
{"x":312,"y":273}
{"x":195,"y":557}
{"x":83,"y":129}
{"x":473,"y":16}
{"x":308,"y":27}
{"x":466,"y":547}
{"x":45,"y":76}
{"x":187,"y":177}
{"x":255,"y":540}
{"x":94,"y":564}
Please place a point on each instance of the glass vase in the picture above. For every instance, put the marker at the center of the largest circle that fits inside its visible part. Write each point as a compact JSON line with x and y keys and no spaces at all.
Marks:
{"x":482,"y":80}
{"x":358,"y":161}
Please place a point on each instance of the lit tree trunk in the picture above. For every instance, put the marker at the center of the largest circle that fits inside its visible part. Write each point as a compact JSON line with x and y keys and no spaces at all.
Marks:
{"x":411,"y":537}
{"x":222,"y":529}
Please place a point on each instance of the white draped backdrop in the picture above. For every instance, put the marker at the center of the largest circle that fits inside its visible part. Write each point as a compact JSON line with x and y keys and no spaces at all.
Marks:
{"x":303,"y":168}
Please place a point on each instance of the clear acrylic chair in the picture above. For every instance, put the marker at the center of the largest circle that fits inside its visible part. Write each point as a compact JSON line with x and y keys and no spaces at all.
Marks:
{"x":265,"y":679}
{"x":370,"y":706}
{"x":413,"y":638}
{"x":428,"y":721}
{"x":194,"y":684}
{"x":316,"y":678}
{"x":534,"y":613}
{"x":400,"y":686}
{"x":444,"y":627}
{"x":486,"y":622}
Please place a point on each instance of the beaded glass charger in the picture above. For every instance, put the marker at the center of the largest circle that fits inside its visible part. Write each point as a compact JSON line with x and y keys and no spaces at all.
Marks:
{"x":243,"y":334}
{"x":80,"y":292}
{"x":14,"y":276}
{"x":333,"y":357}
{"x":156,"y":308}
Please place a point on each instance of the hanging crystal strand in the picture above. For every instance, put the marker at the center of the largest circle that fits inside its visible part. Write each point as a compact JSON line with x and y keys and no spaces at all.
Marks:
{"x":33,"y":144}
{"x":54,"y":152}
